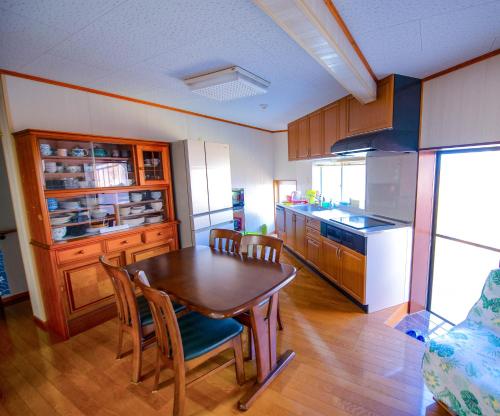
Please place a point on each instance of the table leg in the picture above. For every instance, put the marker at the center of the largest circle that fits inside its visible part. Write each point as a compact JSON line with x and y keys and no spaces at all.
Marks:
{"x":264,"y":320}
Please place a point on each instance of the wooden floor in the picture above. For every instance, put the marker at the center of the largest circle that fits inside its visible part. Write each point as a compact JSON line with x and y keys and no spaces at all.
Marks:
{"x":347,"y":363}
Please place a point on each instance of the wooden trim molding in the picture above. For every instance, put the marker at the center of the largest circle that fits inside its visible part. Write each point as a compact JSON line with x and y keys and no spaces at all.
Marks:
{"x":16,"y":298}
{"x":40,"y":324}
{"x":131,"y":99}
{"x":462,"y":65}
{"x":422,"y":232}
{"x":336,"y":15}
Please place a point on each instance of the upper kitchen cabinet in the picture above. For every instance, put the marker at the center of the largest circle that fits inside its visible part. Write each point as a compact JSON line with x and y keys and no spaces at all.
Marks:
{"x":153,"y":162}
{"x":333,"y":124}
{"x":304,"y":139}
{"x":389,"y":123}
{"x":377,"y":115}
{"x":293,"y":138}
{"x":316,"y":134}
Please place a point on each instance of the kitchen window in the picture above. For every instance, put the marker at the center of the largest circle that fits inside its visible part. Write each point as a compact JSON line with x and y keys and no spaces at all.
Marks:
{"x":341,"y":180}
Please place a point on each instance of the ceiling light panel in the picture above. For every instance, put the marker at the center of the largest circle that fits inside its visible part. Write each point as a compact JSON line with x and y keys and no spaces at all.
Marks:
{"x":228,"y":84}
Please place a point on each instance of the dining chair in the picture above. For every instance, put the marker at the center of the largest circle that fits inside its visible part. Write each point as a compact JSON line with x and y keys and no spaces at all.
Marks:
{"x":265,"y":248}
{"x":225,"y":240}
{"x":188,"y":341}
{"x":134,"y":315}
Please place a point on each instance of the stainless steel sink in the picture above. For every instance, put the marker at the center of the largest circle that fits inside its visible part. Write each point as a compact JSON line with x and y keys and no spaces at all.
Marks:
{"x":310,"y":208}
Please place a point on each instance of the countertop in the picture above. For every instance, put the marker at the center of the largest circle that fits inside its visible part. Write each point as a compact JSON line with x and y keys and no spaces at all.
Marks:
{"x":324,"y":215}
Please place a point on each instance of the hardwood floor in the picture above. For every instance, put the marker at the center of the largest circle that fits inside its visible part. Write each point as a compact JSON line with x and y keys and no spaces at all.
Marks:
{"x":347,"y":363}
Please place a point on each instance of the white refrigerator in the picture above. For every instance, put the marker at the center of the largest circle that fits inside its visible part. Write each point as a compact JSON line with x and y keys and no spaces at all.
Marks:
{"x":202,"y":189}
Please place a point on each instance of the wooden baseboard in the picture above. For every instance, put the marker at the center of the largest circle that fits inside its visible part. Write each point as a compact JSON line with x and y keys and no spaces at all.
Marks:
{"x":13,"y":299}
{"x":399,"y":313}
{"x":40,"y":324}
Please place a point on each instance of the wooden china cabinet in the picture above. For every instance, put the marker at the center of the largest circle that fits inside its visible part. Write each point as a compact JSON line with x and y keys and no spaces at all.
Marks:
{"x":87,"y":196}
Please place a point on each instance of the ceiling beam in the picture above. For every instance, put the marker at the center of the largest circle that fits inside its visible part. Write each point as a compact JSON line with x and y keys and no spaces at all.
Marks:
{"x":318,"y":28}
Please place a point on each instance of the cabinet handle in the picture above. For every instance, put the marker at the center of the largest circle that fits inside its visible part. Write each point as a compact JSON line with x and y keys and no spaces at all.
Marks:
{"x":160,"y":233}
{"x":80,"y":252}
{"x":124,"y":242}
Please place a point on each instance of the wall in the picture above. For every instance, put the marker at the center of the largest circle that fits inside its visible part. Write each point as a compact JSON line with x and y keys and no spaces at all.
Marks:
{"x":48,"y":107}
{"x":10,"y":245}
{"x":300,"y":170}
{"x":463,"y":106}
{"x":390,"y":185}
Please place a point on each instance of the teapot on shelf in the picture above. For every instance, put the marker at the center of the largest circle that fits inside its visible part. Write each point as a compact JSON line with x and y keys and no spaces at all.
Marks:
{"x":99,"y":152}
{"x":79,"y":152}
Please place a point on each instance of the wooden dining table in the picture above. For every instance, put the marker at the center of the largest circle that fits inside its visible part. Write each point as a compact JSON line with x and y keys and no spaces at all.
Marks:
{"x":223,"y":285}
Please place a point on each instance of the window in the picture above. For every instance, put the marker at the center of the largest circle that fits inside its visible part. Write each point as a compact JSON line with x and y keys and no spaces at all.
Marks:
{"x":341,"y":180}
{"x":467,"y":226}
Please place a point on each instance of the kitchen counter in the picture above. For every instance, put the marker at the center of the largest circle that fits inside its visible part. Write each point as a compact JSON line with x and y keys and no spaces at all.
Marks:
{"x":325,"y":215}
{"x":371,"y":265}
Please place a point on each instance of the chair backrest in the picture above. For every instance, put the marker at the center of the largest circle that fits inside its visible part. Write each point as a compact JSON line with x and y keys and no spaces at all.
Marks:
{"x":262,"y":247}
{"x":225,"y":240}
{"x":486,"y":311}
{"x":126,"y":301}
{"x":167,"y":330}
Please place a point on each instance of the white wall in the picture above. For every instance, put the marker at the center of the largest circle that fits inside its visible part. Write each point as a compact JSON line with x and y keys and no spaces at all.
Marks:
{"x":391,"y":185}
{"x":462,"y":107}
{"x":300,"y":170}
{"x":42,"y":106}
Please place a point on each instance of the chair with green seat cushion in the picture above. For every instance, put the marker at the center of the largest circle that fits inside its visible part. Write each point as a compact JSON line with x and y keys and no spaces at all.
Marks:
{"x":145,"y":313}
{"x":462,"y":367}
{"x":134,"y":315}
{"x":186,"y":342}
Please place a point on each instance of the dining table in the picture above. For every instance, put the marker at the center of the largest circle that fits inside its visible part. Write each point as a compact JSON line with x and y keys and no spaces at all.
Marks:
{"x":224,"y":285}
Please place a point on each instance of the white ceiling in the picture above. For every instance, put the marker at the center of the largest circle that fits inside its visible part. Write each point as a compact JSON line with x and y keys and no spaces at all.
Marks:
{"x":421,"y":37}
{"x":143,"y":48}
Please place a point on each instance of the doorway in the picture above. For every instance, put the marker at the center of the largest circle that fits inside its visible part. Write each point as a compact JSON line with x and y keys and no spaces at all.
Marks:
{"x":466,"y":233}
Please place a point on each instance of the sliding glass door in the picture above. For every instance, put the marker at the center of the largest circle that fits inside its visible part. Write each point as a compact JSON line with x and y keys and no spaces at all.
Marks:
{"x":466,"y":243}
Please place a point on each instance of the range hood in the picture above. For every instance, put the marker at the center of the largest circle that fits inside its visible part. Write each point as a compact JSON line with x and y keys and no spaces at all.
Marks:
{"x":403,"y":136}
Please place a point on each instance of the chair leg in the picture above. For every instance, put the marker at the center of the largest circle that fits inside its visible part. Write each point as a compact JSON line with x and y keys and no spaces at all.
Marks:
{"x":179,"y":389}
{"x":157,"y":370}
{"x":120,"y":343}
{"x":136,"y":358}
{"x":250,"y":343}
{"x":280,"y":324}
{"x":238,"y":360}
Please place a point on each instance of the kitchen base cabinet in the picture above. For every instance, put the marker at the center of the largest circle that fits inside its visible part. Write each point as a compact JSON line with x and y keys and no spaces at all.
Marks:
{"x":372,"y":269}
{"x":300,"y":234}
{"x":331,"y":264}
{"x":290,"y":229}
{"x":353,"y":274}
{"x":313,"y":250}
{"x":280,"y":224}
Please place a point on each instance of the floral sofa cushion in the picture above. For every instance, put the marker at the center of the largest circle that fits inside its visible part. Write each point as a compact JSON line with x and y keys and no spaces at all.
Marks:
{"x":462,"y":368}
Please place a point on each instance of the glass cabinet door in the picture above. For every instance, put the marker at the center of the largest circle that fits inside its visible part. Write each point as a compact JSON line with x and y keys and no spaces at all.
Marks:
{"x":75,"y":164}
{"x":91,"y":214}
{"x":153,"y":164}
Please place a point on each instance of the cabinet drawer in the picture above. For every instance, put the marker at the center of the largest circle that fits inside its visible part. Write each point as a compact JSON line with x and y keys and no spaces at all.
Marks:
{"x":313,"y":223}
{"x":313,"y":233}
{"x":123,"y":242}
{"x":158,"y":235}
{"x":77,"y":253}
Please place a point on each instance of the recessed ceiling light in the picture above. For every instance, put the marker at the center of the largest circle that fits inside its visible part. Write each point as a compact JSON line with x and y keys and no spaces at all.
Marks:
{"x":228,"y":84}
